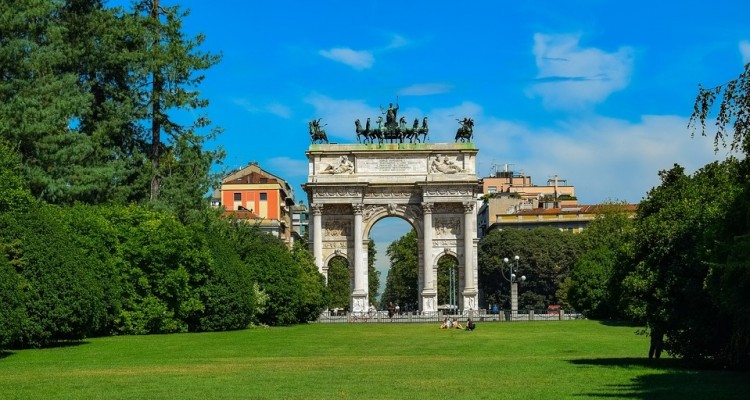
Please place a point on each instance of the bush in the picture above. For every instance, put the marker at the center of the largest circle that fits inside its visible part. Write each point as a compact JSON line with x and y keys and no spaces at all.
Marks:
{"x":12,"y":313}
{"x":231,"y":296}
{"x":63,"y":297}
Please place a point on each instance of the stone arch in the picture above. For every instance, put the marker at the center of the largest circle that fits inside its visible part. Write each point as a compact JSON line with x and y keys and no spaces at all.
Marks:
{"x":379,"y":212}
{"x":398,"y":180}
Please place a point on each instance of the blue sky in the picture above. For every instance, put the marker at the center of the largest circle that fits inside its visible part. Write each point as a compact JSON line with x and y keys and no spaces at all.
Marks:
{"x":596,"y":92}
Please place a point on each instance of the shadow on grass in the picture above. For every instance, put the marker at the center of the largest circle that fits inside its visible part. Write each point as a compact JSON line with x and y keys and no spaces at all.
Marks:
{"x":65,"y":343}
{"x":53,"y":345}
{"x":609,"y":322}
{"x":669,"y":379}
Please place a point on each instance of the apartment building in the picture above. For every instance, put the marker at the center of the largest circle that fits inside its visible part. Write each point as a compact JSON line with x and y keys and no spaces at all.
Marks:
{"x":256,"y":196}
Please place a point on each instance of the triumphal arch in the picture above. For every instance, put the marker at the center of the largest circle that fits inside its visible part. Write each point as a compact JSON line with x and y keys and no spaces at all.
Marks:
{"x":433,"y":186}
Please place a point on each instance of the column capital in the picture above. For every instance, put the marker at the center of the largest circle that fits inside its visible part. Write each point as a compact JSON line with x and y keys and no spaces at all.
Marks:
{"x":468,"y":207}
{"x":317,"y":208}
{"x":428,"y":207}
{"x":357,"y":208}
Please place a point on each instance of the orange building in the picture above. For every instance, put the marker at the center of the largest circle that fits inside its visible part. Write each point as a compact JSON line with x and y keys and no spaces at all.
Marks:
{"x":259,"y":197}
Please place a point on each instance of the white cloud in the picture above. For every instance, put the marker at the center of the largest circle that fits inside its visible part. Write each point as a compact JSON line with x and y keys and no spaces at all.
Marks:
{"x":277,"y":109}
{"x":570,"y":76}
{"x":397,"y":41}
{"x":356,"y":59}
{"x":425,"y":89}
{"x":745,"y":51}
{"x":603,"y":158}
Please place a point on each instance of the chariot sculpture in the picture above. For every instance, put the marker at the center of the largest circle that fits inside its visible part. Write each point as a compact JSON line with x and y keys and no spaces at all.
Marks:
{"x":393,"y":130}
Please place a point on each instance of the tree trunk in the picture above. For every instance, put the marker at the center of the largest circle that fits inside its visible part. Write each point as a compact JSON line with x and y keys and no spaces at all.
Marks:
{"x":156,"y":91}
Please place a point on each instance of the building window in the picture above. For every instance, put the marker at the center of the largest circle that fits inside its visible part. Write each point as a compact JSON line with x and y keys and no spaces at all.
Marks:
{"x":238,"y":197}
{"x":264,"y":197}
{"x":492,"y":189}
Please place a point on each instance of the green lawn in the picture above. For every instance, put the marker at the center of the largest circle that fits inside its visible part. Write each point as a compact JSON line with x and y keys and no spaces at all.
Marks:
{"x":523,"y":360}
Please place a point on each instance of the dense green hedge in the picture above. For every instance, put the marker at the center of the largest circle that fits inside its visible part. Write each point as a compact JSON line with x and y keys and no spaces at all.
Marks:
{"x":67,"y":273}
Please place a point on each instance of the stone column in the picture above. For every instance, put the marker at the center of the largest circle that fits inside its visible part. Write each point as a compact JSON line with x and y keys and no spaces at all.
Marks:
{"x":359,"y":295}
{"x":429,"y":292}
{"x":427,"y":246}
{"x":470,"y":292}
{"x":317,"y":232}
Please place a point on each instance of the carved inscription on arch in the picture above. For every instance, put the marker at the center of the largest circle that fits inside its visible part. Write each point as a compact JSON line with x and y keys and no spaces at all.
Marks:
{"x":448,"y":208}
{"x":447,"y":227}
{"x":391,"y":165}
{"x":338,"y":228}
{"x":338,"y":209}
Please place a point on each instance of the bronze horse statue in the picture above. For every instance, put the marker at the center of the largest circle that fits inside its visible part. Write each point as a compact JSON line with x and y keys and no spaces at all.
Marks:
{"x":424,"y":130}
{"x":362,"y":134}
{"x":466,"y":131}
{"x":316,"y":133}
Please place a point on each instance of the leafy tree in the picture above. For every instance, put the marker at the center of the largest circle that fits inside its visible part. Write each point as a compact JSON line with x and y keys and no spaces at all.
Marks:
{"x":187,"y":177}
{"x":168,"y":68}
{"x":594,"y":286}
{"x":546,"y":257}
{"x":588,"y":288}
{"x":314,"y":293}
{"x":39,"y":95}
{"x":278,"y":275}
{"x":231,"y":292}
{"x":78,"y":83}
{"x":14,"y":193}
{"x":165,"y":275}
{"x":729,"y":273}
{"x":111,"y":162}
{"x":339,"y":283}
{"x":677,"y":229}
{"x":373,"y":275}
{"x":732,"y":122}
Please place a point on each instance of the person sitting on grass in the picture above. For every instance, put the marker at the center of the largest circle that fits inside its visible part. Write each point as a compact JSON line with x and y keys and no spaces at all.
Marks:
{"x":457,"y":324}
{"x":470,"y":325}
{"x":446,"y":324}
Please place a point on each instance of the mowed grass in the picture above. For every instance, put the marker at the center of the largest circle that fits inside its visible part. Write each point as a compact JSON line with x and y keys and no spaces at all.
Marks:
{"x":524,"y":360}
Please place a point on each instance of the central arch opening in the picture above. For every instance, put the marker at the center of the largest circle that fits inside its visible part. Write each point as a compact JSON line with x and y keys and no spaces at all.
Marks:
{"x":397,"y":260}
{"x":448,"y":284}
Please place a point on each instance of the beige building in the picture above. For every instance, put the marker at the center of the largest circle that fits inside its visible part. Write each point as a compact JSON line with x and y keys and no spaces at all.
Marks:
{"x":510,"y":199}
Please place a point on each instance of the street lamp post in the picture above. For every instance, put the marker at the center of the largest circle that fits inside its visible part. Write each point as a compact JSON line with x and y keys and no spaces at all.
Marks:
{"x":452,"y":295}
{"x":513,"y":266}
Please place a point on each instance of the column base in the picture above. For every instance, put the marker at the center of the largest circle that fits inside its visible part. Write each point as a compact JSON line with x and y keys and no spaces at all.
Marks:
{"x":429,"y":302}
{"x":359,"y":301}
{"x":471,"y":300}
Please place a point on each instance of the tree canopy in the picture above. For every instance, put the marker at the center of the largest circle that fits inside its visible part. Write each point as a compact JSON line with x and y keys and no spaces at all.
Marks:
{"x":105,"y":226}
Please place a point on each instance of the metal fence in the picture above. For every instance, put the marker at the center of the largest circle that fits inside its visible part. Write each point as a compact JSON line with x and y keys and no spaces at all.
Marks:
{"x":334,"y":317}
